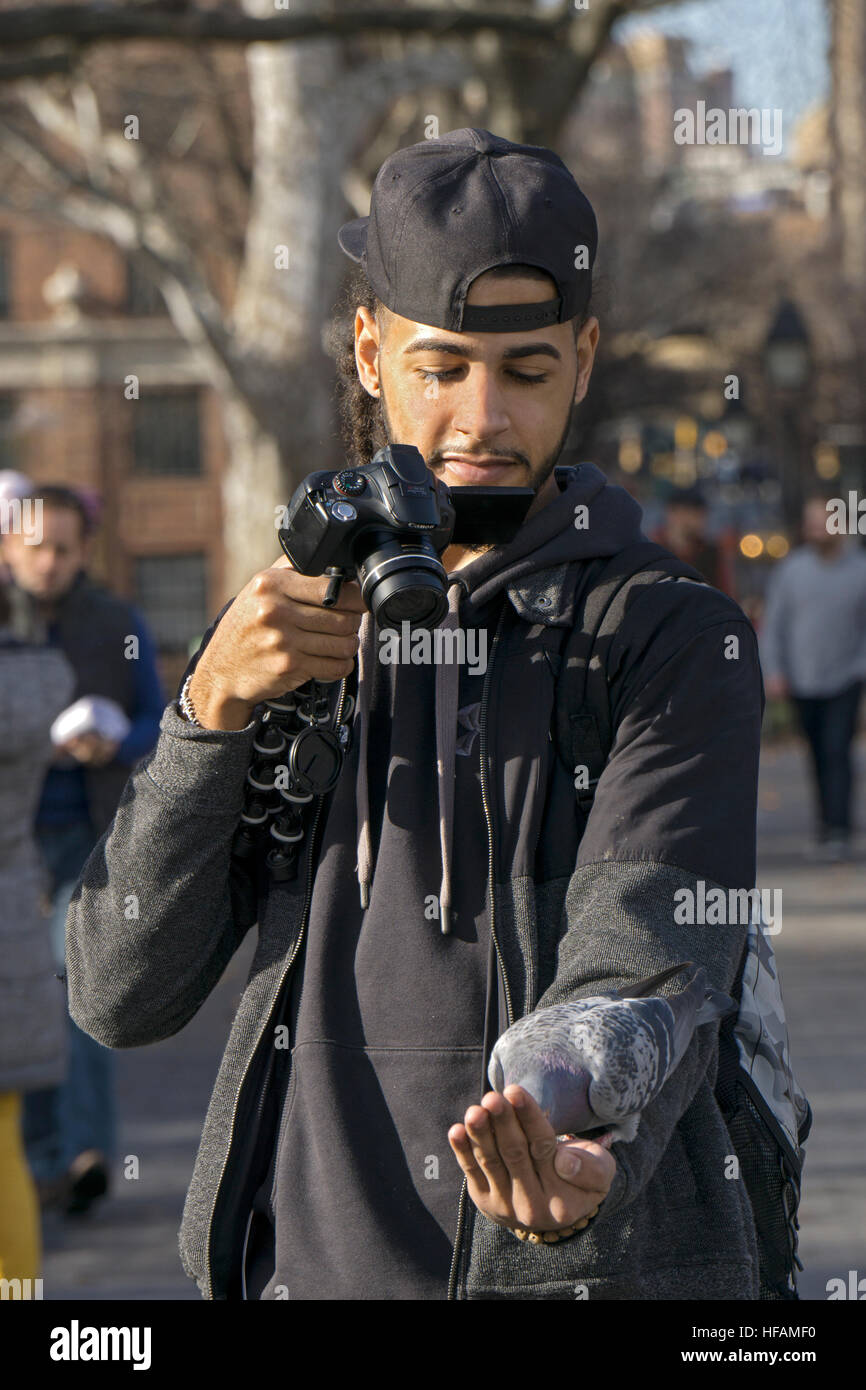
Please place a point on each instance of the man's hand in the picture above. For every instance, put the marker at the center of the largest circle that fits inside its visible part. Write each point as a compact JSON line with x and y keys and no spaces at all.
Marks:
{"x":776,"y":688}
{"x":90,"y":748}
{"x":274,"y":637}
{"x":516,"y":1170}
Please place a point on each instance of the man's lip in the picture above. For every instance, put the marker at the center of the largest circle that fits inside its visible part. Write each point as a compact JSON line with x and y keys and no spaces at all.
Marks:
{"x":477,"y":460}
{"x":477,"y":471}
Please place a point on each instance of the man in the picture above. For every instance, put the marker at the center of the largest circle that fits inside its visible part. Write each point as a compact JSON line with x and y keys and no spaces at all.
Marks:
{"x":70,"y":1130}
{"x":813,"y":646}
{"x":685,"y":534}
{"x":444,"y":896}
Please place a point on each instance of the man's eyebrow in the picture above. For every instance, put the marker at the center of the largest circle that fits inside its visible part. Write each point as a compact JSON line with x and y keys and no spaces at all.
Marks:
{"x":458,"y":349}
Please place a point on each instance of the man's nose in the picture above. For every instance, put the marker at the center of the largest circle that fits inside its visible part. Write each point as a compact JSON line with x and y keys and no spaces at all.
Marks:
{"x":480,"y":412}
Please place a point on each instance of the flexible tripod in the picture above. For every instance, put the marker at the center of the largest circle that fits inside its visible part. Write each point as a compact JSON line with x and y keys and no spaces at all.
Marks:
{"x":297,"y":756}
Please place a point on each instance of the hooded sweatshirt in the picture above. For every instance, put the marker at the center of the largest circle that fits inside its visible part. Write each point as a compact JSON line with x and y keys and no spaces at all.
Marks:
{"x":579,"y":905}
{"x":396,"y":1005}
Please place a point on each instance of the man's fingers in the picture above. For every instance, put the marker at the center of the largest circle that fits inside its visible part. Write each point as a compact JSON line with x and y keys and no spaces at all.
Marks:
{"x":486,"y":1153}
{"x":311,"y":588}
{"x":306,"y":617}
{"x":462,"y":1148}
{"x":595,"y":1161}
{"x":511,"y":1142}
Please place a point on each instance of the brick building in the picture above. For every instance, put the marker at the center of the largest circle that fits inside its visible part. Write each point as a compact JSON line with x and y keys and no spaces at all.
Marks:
{"x":80,"y":334}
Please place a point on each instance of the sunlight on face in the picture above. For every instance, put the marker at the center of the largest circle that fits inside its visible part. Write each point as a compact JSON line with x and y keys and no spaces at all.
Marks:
{"x":483,"y":408}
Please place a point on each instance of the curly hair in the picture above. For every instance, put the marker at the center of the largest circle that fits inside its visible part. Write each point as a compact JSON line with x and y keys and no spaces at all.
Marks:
{"x":362,"y":424}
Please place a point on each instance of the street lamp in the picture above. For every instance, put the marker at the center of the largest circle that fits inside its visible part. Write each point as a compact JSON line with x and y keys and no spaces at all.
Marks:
{"x":788,"y":361}
{"x":787,"y":349}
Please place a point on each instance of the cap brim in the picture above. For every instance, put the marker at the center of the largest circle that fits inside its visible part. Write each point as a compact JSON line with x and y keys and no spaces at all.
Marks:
{"x":352,"y":237}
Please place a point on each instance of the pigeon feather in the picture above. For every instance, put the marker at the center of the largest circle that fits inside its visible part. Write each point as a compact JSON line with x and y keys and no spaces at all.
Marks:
{"x":596,"y":1063}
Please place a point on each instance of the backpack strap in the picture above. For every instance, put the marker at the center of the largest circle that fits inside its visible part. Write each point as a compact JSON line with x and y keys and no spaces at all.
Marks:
{"x":582,"y":706}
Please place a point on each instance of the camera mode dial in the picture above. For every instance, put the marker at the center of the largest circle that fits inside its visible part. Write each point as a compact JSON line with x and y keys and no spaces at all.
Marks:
{"x":350,"y":482}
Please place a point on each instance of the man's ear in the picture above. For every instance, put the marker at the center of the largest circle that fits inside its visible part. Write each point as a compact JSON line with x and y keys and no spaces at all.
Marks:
{"x":367,"y":334}
{"x":587,"y":344}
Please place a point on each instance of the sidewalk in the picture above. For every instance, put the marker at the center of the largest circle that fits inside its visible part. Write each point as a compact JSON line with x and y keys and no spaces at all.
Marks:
{"x":821,"y":951}
{"x":126,"y":1248}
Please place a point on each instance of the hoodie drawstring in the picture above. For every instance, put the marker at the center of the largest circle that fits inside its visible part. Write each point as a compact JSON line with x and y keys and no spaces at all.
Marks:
{"x":446,"y":699}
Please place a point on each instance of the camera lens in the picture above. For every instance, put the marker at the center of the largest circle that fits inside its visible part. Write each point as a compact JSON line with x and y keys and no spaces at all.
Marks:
{"x":403,"y":581}
{"x":409,"y":605}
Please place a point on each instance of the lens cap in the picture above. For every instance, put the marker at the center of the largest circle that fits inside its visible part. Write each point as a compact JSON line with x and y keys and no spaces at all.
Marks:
{"x":315,"y":760}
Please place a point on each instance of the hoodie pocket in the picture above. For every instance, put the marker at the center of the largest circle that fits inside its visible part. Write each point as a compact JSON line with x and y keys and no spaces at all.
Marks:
{"x":288,"y":1105}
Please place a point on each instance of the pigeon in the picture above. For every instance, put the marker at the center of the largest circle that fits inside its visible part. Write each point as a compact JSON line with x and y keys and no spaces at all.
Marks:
{"x":593,"y":1065}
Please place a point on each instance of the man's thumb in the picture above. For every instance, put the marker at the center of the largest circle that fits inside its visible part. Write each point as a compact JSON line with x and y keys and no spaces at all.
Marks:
{"x":567,"y":1162}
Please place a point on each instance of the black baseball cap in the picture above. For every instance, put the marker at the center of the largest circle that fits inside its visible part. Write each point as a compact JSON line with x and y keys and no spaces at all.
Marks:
{"x":445,"y":210}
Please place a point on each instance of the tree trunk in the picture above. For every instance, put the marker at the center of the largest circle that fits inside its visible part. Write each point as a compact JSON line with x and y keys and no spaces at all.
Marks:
{"x":279,"y":427}
{"x":253,"y":486}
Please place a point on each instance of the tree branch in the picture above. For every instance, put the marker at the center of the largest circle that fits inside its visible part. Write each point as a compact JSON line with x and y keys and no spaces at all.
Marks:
{"x":38,"y":65}
{"x":92,"y":24}
{"x":140,"y":231}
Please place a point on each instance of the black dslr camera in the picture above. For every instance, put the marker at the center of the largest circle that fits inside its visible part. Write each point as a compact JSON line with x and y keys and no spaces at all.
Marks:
{"x":386,"y":524}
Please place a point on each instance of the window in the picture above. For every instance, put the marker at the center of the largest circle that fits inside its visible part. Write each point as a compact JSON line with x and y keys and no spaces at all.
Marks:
{"x":171,"y":591}
{"x":5,"y":287}
{"x":143,"y":296}
{"x":8,"y":450}
{"x":166,"y":434}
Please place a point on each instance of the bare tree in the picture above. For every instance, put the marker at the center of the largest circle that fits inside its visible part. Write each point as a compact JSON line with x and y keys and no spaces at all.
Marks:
{"x":231,"y":199}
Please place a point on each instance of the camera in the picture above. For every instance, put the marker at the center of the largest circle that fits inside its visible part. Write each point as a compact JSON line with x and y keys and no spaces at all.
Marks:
{"x":386,"y":524}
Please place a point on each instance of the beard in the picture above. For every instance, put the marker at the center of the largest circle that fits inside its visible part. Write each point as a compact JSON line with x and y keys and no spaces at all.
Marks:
{"x":537,"y":477}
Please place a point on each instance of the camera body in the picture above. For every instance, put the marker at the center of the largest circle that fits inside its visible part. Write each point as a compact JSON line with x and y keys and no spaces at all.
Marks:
{"x":386,"y":525}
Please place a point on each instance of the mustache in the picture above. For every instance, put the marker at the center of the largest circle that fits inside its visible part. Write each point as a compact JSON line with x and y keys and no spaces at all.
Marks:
{"x":507,"y":457}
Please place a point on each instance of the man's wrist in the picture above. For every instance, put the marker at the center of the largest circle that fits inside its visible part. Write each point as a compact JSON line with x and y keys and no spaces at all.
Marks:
{"x":213,"y":709}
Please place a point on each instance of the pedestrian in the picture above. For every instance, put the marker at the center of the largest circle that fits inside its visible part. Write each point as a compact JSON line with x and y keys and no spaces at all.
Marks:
{"x":438,"y":894}
{"x":813,"y":652}
{"x":70,"y":1129}
{"x":35,"y":683}
{"x":684,"y":532}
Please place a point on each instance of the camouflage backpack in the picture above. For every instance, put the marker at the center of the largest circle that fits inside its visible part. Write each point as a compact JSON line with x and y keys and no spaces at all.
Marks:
{"x":766,"y":1111}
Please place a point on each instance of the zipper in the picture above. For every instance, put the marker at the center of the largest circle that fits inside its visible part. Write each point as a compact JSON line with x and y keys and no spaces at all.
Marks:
{"x":488,"y":815}
{"x":307,"y":900}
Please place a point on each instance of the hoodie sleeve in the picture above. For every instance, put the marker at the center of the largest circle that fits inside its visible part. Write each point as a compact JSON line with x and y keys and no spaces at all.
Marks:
{"x":673,"y":817}
{"x":160,"y":906}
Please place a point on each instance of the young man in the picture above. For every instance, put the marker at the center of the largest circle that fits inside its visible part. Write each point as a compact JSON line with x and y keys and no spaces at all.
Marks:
{"x":442,"y":895}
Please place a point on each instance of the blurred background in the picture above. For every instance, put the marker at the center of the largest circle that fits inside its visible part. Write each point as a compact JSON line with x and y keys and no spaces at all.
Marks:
{"x":157,"y":347}
{"x":168,"y":267}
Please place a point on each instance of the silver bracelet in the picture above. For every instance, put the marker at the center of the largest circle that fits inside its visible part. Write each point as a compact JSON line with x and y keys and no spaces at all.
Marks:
{"x":185,"y":703}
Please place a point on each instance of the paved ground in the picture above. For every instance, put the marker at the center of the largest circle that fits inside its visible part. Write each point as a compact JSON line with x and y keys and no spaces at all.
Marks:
{"x":822,"y":954}
{"x":127,"y":1247}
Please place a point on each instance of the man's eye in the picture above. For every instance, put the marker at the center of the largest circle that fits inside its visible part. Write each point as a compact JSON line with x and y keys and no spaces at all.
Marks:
{"x":517,"y":376}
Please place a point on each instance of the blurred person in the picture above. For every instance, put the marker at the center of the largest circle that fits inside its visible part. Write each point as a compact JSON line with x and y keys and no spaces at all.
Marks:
{"x":684,"y":531}
{"x":36,"y":682}
{"x":70,"y":1129}
{"x":813,"y":651}
{"x":23,"y":622}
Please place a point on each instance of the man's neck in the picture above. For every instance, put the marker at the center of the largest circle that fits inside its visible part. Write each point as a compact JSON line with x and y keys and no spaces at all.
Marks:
{"x":829,"y":553}
{"x":456,"y":556}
